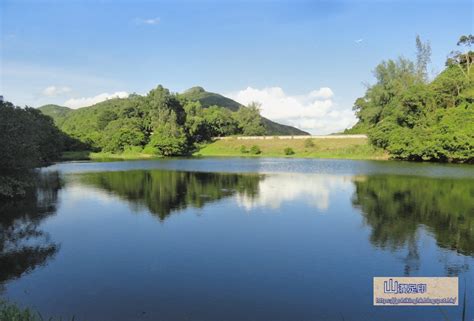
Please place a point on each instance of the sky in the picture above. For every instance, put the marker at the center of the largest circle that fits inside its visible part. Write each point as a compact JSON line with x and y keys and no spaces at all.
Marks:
{"x":305,"y":61}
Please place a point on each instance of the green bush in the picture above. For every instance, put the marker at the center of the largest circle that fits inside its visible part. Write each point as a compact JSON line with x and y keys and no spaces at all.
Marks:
{"x":243,"y":149}
{"x":289,"y":151}
{"x":255,"y":150}
{"x":308,"y":143}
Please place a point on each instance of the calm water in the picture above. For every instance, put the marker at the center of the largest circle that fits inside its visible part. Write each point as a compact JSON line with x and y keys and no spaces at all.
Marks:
{"x":235,"y":239}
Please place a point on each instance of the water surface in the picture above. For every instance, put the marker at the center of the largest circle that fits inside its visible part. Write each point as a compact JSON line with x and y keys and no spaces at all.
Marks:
{"x":236,"y":239}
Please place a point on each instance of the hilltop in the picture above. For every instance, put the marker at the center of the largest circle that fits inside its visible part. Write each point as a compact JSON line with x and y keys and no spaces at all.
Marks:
{"x":208,"y":99}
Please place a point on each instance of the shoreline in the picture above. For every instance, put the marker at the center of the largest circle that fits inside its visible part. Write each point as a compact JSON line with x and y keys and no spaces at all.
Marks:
{"x":354,"y":147}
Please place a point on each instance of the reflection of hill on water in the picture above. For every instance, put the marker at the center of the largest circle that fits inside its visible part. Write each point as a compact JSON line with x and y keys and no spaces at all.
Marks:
{"x":163,"y":192}
{"x":23,"y":247}
{"x":395,"y":206}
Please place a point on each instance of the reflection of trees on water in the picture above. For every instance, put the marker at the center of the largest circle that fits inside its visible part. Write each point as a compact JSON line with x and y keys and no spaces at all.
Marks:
{"x":163,"y":192}
{"x":395,"y":207}
{"x":26,"y":199}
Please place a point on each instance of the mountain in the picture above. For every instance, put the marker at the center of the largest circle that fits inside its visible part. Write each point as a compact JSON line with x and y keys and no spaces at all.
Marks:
{"x":69,"y":119}
{"x":208,"y":99}
{"x":58,"y":113}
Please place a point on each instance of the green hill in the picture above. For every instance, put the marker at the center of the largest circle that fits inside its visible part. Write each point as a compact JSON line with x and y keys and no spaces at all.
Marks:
{"x":58,"y":113}
{"x":86,"y":118}
{"x":161,"y":122}
{"x":208,"y":99}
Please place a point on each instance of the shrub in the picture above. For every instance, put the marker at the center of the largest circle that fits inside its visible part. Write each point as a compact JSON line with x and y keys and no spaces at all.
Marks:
{"x":308,"y":143}
{"x":255,"y":150}
{"x":243,"y":149}
{"x":289,"y":151}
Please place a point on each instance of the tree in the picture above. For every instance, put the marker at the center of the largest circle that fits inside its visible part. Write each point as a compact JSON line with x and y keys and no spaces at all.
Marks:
{"x":168,"y":138}
{"x":249,"y":120}
{"x":420,"y":121}
{"x":160,"y":99}
{"x":28,"y":138}
{"x":423,"y":58}
{"x":221,"y":122}
{"x":122,"y":133}
{"x":463,"y":60}
{"x":105,"y":118}
{"x":197,"y":127}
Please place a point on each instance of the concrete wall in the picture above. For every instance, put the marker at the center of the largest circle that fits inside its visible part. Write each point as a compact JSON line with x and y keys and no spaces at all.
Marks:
{"x":292,"y":137}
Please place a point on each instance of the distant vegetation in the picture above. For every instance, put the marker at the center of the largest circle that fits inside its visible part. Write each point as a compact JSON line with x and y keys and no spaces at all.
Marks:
{"x":162,"y":123}
{"x":417,"y":119}
{"x":404,"y":113}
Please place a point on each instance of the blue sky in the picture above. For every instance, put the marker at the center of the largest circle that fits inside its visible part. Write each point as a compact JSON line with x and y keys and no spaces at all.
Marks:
{"x":279,"y":52}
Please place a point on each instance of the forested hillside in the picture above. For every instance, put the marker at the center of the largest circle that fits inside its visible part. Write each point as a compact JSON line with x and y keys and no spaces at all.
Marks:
{"x":414,"y":118}
{"x":208,"y":99}
{"x":161,"y":122}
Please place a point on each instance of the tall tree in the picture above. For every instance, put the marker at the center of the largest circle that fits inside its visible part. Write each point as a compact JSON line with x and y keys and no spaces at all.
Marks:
{"x":423,"y":58}
{"x":249,"y":119}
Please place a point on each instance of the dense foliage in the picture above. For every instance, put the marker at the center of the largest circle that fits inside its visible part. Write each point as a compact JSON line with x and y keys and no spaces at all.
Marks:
{"x":160,"y":123}
{"x":28,"y":138}
{"x":415,"y":119}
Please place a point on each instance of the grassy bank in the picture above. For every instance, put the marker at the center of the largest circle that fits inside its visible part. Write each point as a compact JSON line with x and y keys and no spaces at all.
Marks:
{"x":102,"y":156}
{"x":345,"y":148}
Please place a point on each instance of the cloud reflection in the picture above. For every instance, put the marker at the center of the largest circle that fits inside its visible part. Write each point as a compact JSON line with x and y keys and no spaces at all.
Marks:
{"x":277,"y":189}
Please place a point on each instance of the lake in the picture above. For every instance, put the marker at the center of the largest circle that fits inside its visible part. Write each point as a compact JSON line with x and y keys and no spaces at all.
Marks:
{"x":236,"y":239}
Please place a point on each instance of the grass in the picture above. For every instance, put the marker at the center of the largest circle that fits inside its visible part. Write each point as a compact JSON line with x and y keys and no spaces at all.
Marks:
{"x":76,"y":155}
{"x":88,"y":155}
{"x":345,"y":148}
{"x":12,"y":312}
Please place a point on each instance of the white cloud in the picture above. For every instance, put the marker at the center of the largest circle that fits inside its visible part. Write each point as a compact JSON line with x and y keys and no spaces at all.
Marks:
{"x":148,"y":21}
{"x":322,"y":93}
{"x":89,"y":101}
{"x":53,"y":91}
{"x":314,"y":112}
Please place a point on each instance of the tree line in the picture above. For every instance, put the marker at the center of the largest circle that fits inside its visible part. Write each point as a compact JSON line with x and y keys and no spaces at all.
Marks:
{"x":160,"y":123}
{"x":415,"y":118}
{"x":30,"y":139}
